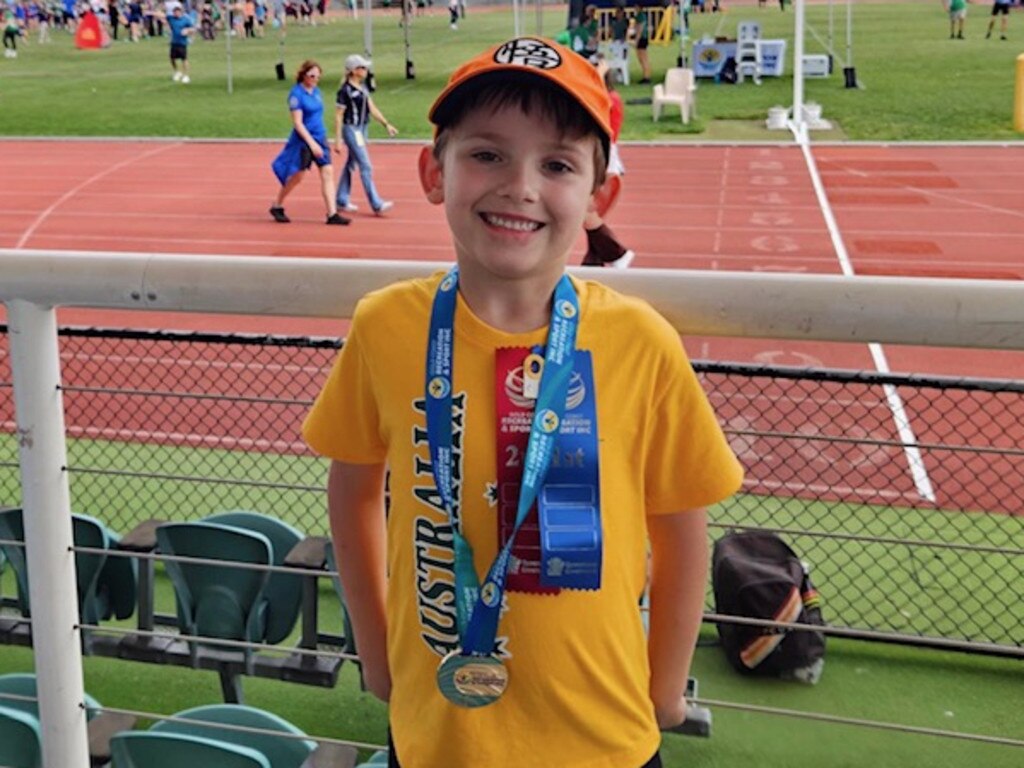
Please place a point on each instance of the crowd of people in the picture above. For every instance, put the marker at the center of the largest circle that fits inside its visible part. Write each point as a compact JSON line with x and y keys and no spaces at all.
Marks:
{"x":134,"y":20}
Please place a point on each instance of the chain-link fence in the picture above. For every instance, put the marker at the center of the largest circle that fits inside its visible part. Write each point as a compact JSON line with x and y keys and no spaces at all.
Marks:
{"x":905,"y":494}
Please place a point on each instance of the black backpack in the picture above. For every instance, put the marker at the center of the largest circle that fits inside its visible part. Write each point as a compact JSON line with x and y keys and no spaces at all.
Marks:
{"x":756,"y":575}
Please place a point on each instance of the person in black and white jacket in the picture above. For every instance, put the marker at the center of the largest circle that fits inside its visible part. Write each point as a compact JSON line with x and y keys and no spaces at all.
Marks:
{"x":354,"y":107}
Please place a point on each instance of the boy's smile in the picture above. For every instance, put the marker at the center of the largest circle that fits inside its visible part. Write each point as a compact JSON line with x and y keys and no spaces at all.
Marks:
{"x":516,"y":191}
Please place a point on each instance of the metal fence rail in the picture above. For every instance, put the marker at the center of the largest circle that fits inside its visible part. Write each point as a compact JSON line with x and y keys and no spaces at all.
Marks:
{"x":179,"y":425}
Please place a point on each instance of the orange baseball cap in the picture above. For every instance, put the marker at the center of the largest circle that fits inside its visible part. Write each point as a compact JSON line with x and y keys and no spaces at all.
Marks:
{"x":535,"y":57}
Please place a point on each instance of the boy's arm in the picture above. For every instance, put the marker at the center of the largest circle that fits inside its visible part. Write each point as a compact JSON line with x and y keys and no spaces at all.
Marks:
{"x":679,"y":565}
{"x":355,"y":505}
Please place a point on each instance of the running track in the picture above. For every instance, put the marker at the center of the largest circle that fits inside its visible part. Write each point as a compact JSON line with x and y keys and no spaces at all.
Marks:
{"x":942,"y":211}
{"x":917,"y":211}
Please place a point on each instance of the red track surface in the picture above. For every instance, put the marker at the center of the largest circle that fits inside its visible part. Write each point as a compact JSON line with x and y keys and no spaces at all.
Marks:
{"x":942,"y":211}
{"x":945,"y":211}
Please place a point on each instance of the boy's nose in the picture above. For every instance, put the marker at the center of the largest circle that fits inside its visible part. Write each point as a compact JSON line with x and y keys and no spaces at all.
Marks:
{"x":519,"y":182}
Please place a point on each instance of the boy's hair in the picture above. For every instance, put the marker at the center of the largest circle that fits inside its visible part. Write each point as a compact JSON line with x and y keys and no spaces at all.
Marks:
{"x":537,"y":76}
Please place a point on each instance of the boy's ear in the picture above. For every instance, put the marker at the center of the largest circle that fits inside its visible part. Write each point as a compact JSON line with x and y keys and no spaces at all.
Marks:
{"x":431,"y":176}
{"x":606,"y":195}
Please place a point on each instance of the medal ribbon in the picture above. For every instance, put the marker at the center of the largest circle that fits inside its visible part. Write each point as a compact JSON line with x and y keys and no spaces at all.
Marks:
{"x":478,"y":606}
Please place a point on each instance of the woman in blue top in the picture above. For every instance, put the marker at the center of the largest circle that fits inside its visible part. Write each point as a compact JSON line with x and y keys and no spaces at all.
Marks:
{"x":306,"y":145}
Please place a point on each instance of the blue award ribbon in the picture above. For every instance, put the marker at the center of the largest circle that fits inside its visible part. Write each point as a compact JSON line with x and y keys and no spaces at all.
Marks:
{"x":478,"y":606}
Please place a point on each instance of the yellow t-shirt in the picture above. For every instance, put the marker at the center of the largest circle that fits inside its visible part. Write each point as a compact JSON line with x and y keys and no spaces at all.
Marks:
{"x":577,"y":661}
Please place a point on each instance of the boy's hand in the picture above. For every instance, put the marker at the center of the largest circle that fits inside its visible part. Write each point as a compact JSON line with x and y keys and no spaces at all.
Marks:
{"x":670,"y":715}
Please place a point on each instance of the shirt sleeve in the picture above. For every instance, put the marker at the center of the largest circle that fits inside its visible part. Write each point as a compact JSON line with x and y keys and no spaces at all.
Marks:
{"x":344,"y":422}
{"x":688,"y":462}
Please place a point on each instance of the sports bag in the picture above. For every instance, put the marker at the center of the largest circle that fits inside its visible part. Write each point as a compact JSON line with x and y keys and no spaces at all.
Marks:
{"x":756,"y":575}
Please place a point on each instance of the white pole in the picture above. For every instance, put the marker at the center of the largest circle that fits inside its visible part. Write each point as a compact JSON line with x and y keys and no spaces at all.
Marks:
{"x":540,"y":18}
{"x":799,"y":125}
{"x":849,"y":33}
{"x":227,"y":36}
{"x":39,"y":414}
{"x":831,"y":26}
{"x":517,"y":28}
{"x":368,"y":29}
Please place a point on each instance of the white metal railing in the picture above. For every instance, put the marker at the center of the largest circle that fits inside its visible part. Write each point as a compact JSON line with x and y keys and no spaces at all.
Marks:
{"x":927,"y":312}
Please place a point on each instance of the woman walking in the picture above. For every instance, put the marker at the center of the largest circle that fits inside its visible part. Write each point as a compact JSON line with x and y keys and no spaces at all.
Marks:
{"x":307,"y":144}
{"x":351,"y":119}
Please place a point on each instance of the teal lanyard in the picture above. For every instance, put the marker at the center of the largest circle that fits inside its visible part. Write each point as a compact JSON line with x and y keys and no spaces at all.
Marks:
{"x":478,"y":606}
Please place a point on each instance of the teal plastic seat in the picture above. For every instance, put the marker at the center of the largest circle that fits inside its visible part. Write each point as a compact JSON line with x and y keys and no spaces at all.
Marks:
{"x":377,"y":758}
{"x":23,"y":684}
{"x":106,"y":585}
{"x":216,"y":601}
{"x":20,"y":739}
{"x":147,"y":749}
{"x":20,"y":732}
{"x":284,"y":590}
{"x":280,"y":751}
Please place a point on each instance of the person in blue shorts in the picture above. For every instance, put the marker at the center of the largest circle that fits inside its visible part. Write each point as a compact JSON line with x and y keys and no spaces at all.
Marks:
{"x":307,"y":144}
{"x":182,"y":29}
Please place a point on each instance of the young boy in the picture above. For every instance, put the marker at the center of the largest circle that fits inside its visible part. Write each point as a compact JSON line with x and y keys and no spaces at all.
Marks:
{"x":503,"y":382}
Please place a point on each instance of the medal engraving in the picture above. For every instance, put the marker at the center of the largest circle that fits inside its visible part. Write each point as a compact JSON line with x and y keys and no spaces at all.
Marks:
{"x":471,"y":681}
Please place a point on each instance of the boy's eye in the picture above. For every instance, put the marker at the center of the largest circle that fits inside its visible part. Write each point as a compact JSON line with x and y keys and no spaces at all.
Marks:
{"x":559,"y":166}
{"x":485,"y":156}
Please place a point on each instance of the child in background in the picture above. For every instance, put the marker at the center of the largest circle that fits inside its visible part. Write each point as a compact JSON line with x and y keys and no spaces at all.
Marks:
{"x":497,"y":385}
{"x":603,"y":248}
{"x":12,"y":30}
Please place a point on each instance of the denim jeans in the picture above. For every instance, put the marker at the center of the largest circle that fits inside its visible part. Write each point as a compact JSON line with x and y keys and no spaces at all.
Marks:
{"x":358,"y":157}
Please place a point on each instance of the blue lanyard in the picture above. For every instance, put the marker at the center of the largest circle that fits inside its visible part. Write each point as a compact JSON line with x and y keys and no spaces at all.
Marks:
{"x":478,"y":606}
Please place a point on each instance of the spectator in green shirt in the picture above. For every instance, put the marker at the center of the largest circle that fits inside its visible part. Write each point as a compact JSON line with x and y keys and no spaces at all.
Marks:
{"x":957,"y":14}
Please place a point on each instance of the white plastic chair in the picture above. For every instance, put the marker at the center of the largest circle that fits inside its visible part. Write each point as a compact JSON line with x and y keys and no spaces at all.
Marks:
{"x":680,"y":89}
{"x":748,"y":51}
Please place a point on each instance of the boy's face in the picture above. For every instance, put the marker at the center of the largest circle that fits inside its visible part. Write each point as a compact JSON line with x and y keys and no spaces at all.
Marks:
{"x":515,"y":190}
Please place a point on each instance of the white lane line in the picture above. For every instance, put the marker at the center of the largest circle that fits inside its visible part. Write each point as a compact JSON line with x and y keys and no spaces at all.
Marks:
{"x":95,"y":177}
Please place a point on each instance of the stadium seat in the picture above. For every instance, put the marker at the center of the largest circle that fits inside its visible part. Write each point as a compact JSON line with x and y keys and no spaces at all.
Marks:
{"x":20,"y":739}
{"x":280,"y":752}
{"x":203,"y":741}
{"x":284,"y":591}
{"x":377,"y":758}
{"x":20,"y":731}
{"x":106,"y":585}
{"x":214,"y":601}
{"x":145,"y":749}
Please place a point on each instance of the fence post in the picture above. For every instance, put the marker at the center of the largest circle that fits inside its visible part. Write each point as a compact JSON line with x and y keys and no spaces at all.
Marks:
{"x":53,"y":594}
{"x":1018,"y":97}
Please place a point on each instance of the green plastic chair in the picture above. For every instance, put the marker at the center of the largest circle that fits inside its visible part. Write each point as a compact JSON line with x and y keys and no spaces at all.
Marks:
{"x":280,"y":752}
{"x":20,"y":739}
{"x":24,"y":684}
{"x":20,"y":732}
{"x":106,"y":585}
{"x":214,"y":601}
{"x":147,"y":749}
{"x":284,"y":590}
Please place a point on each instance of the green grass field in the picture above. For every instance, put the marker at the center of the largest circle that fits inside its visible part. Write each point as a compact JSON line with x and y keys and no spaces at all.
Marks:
{"x":918,"y":84}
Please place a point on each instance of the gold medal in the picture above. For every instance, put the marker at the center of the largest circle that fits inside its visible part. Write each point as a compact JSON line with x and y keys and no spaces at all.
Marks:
{"x":471,"y":681}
